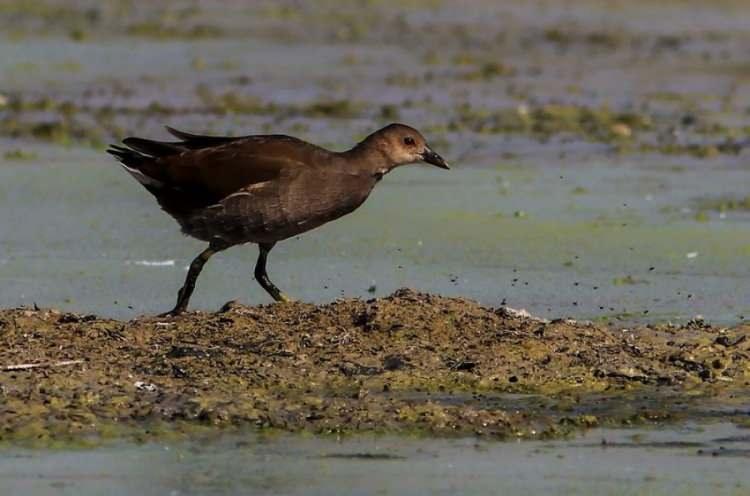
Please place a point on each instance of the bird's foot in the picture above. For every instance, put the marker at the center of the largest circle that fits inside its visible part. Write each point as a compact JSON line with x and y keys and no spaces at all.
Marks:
{"x":172,"y":313}
{"x":283,"y":298}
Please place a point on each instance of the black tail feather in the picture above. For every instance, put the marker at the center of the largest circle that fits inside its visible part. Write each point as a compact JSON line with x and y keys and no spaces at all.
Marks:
{"x":197,"y":141}
{"x":138,"y":150}
{"x":153,"y":148}
{"x":126,"y":156}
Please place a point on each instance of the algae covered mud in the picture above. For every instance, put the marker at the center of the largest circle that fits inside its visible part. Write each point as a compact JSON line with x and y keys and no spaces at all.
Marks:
{"x":408,"y":363}
{"x":584,"y":136}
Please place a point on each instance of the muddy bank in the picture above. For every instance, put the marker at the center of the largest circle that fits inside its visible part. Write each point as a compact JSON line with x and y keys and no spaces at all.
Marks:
{"x":410,"y":362}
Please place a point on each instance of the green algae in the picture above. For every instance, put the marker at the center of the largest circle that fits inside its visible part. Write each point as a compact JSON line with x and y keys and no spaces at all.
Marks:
{"x":725,"y":204}
{"x":487,"y":71}
{"x":595,"y":124}
{"x":565,"y":37}
{"x":18,"y":154}
{"x":626,"y":132}
{"x":65,"y":122}
{"x":159,"y":31}
{"x":722,"y":205}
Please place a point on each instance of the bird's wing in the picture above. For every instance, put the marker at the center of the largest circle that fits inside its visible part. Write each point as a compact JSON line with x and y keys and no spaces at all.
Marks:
{"x":209,"y":168}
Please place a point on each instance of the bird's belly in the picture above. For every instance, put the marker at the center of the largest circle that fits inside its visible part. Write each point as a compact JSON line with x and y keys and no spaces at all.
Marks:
{"x":302,"y":215}
{"x":255,"y":217}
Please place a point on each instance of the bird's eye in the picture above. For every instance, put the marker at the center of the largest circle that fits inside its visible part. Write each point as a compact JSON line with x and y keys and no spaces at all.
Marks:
{"x":409,"y":141}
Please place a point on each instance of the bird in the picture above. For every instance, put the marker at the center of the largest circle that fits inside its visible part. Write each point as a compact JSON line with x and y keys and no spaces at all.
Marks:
{"x":261,"y":189}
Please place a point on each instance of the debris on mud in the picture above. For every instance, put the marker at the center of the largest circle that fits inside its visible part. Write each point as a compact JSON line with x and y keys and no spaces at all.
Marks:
{"x":410,"y":362}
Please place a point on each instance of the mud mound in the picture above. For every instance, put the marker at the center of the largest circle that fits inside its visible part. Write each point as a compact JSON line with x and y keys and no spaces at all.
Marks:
{"x":408,"y":362}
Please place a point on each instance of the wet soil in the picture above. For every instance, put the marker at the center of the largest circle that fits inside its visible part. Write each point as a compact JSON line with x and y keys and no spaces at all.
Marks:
{"x":406,"y":363}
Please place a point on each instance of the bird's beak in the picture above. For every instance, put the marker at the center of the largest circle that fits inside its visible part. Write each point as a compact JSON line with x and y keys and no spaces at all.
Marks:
{"x":433,"y":158}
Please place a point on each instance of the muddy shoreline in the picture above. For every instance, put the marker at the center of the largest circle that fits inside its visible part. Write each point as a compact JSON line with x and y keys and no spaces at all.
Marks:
{"x":406,"y":363}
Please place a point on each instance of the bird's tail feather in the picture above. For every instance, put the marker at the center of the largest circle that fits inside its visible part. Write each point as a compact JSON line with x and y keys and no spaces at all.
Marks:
{"x":131,"y":161}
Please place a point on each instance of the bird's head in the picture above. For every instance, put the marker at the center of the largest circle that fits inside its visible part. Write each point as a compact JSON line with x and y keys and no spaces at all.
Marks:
{"x":402,"y":144}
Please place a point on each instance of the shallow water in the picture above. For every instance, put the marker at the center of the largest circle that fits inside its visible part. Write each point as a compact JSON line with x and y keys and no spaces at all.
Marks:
{"x":689,"y":459}
{"x":560,"y":225}
{"x":82,"y":235}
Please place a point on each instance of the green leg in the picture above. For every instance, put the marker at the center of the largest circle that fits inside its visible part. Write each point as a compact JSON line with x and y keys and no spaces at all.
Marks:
{"x":262,"y":277}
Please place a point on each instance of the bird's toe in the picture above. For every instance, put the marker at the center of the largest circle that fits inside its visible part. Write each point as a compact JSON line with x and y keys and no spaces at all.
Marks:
{"x":284,"y":298}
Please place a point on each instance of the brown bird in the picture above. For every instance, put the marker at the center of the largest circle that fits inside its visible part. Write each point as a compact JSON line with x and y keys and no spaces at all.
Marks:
{"x":262,"y":189}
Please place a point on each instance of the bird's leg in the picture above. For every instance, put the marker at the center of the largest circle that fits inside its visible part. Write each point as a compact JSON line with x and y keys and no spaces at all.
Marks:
{"x":262,"y":277}
{"x":183,"y":296}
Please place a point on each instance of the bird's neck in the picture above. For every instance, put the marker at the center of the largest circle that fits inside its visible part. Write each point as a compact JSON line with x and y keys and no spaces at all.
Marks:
{"x":368,"y":159}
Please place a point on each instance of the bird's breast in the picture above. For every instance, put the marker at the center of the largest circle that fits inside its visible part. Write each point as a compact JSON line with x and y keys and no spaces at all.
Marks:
{"x":317,"y":199}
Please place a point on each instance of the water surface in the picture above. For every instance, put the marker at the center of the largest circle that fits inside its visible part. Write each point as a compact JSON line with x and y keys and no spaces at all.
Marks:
{"x":559,"y":239}
{"x":690,"y":460}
